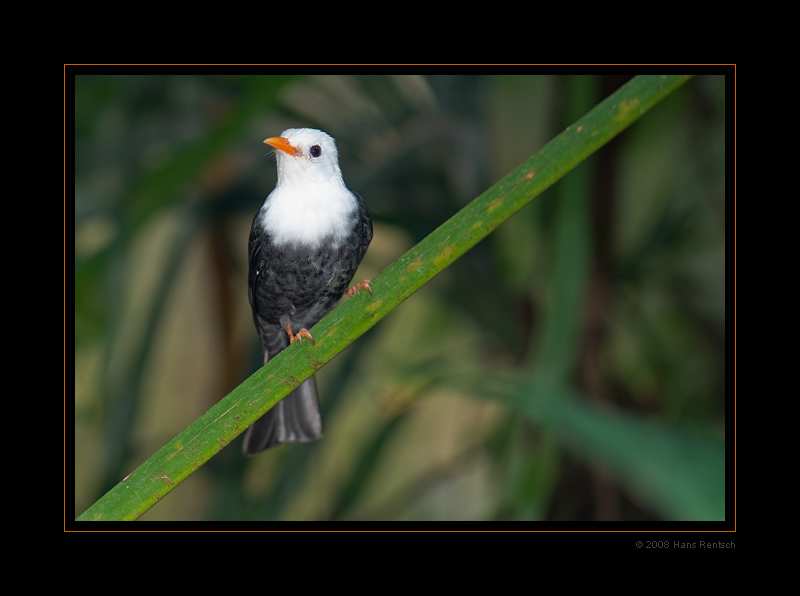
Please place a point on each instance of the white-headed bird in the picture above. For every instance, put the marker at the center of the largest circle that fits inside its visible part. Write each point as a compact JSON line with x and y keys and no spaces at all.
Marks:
{"x":306,"y":243}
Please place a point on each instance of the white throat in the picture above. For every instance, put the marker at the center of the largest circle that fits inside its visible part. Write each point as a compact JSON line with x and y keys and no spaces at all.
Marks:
{"x":300,"y":212}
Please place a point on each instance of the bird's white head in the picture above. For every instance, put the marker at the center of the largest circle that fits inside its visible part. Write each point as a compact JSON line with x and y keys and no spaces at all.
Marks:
{"x":310,"y":202}
{"x":306,"y":155}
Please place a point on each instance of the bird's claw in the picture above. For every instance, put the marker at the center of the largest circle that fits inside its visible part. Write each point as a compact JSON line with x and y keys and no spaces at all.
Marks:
{"x":364,"y":285}
{"x":300,"y":335}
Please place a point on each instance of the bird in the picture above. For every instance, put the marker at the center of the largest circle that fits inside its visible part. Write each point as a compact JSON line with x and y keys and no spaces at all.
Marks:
{"x":306,"y":242}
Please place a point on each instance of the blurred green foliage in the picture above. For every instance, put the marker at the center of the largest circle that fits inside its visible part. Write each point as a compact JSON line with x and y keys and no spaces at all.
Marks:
{"x":607,"y":291}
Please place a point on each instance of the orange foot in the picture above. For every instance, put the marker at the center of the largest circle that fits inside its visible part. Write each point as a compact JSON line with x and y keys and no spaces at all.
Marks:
{"x":364,"y":285}
{"x":303,"y":333}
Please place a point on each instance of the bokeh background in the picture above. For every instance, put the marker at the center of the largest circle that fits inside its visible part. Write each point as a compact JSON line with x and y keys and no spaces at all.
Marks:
{"x":169,"y":171}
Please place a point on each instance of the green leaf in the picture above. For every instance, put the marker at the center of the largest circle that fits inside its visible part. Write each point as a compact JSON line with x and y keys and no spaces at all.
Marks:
{"x":678,"y":472}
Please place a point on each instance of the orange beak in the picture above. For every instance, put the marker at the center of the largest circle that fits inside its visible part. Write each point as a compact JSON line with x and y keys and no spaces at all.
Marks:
{"x":282,"y":144}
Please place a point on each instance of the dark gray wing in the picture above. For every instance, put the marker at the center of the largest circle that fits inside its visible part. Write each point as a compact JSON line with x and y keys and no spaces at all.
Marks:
{"x":366,"y":225}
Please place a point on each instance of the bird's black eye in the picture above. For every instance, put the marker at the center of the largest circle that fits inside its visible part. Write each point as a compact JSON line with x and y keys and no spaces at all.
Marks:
{"x":315,"y":151}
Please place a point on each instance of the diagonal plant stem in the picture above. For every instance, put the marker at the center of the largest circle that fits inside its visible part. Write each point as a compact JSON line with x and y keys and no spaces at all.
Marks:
{"x":212,"y":432}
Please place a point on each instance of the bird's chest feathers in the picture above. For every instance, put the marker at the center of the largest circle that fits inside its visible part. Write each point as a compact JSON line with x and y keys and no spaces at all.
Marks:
{"x":309,"y":214}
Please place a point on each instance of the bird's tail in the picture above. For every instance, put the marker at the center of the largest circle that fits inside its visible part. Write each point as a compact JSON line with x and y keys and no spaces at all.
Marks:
{"x":294,"y":419}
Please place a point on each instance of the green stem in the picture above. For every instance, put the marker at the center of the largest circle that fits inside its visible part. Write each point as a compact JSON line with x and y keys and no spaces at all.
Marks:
{"x":213,"y":431}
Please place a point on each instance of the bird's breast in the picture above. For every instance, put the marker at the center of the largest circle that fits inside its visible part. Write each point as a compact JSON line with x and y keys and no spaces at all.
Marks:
{"x":309,"y":216}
